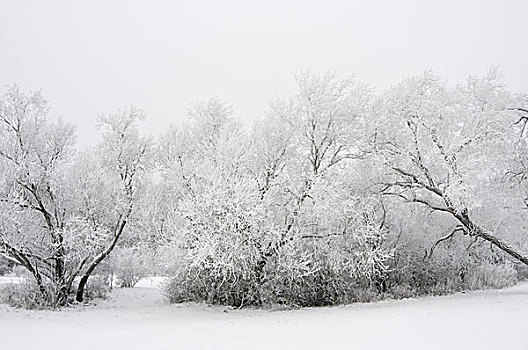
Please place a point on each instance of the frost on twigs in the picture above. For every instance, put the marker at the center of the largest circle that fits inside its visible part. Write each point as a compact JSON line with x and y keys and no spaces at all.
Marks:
{"x":337,"y":194}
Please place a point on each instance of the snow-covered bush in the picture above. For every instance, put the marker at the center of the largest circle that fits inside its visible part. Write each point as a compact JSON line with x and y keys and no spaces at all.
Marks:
{"x":457,"y":263}
{"x":98,"y":286}
{"x":129,"y":264}
{"x":24,"y":295}
{"x":221,"y":236}
{"x":491,"y":275}
{"x":5,"y":266}
{"x":29,"y":295}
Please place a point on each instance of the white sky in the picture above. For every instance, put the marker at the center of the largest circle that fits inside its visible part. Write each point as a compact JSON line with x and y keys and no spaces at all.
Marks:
{"x":90,"y":57}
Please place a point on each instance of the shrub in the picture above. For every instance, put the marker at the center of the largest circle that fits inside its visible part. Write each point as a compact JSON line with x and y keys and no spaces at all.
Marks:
{"x":129,"y":265}
{"x":27,"y":295}
{"x":205,"y":285}
{"x":98,"y":287}
{"x":488,"y":275}
{"x":5,"y":266}
{"x":454,"y":266}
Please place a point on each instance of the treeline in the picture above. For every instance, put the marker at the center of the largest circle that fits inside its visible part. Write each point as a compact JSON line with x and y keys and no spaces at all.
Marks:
{"x":339,"y":194}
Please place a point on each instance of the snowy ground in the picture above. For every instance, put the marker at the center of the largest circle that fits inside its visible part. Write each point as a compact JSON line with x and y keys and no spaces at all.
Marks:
{"x":139,"y":318}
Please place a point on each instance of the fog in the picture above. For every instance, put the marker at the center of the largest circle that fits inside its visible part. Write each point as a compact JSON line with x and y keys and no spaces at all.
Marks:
{"x":92,"y":57}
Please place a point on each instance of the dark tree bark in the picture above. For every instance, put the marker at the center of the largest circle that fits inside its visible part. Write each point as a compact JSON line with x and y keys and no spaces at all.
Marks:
{"x":412,"y":181}
{"x":97,"y":260}
{"x":477,"y":231}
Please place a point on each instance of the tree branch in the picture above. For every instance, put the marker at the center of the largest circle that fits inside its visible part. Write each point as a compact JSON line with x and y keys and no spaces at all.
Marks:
{"x":444,"y":238}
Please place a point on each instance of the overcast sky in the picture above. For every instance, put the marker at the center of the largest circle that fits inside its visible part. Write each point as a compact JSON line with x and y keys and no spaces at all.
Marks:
{"x":90,"y":57}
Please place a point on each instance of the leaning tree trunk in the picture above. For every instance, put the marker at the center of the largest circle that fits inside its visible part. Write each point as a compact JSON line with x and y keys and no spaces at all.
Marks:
{"x":477,"y":231}
{"x":97,"y":260}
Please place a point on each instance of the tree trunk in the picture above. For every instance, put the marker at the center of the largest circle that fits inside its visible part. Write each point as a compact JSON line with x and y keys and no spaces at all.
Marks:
{"x":259,"y":268}
{"x":82,"y":285}
{"x":61,"y":294}
{"x":503,"y":246}
{"x":476,"y":230}
{"x":84,"y":279}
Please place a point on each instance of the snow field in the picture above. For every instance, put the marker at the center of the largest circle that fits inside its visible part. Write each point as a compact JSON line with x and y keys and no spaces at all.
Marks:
{"x":140,"y":318}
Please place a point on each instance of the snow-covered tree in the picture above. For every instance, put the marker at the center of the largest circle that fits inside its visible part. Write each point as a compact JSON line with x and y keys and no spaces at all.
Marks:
{"x":62,"y":214}
{"x":258,"y":211}
{"x":324,"y":124}
{"x":109,"y":185}
{"x":447,"y":148}
{"x":35,"y":157}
